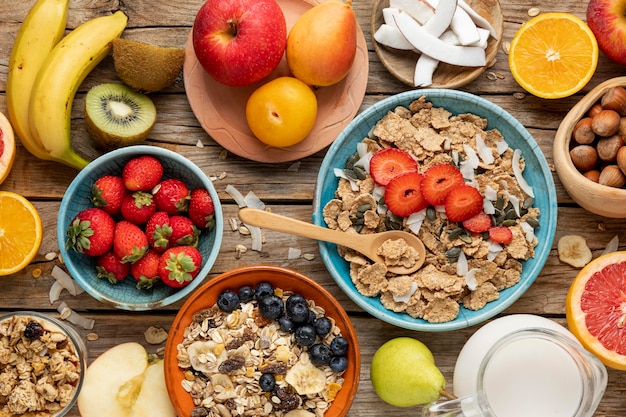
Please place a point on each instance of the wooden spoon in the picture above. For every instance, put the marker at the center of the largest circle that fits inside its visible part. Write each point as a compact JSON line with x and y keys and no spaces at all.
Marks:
{"x":366,"y":244}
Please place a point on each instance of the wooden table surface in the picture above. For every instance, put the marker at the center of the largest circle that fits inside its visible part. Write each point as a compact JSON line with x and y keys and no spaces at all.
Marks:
{"x":289,"y":193}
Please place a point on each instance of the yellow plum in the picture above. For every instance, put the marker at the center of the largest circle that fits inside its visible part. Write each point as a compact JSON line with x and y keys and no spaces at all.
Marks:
{"x":321,"y":45}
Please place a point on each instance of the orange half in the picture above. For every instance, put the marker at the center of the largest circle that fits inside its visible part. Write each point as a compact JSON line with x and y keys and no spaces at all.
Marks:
{"x":20,"y":232}
{"x":553,"y":55}
{"x":596,"y":308}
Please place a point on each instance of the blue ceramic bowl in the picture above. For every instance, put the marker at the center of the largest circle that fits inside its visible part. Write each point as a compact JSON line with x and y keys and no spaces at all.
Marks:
{"x":124,"y":295}
{"x":536,"y":173}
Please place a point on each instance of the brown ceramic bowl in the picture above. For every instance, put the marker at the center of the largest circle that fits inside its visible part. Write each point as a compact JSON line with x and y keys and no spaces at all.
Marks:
{"x":285,"y":279}
{"x":401,"y":64}
{"x":593,"y":197}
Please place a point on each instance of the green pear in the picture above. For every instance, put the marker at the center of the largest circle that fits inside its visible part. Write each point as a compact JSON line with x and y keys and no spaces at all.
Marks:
{"x":404,"y":374}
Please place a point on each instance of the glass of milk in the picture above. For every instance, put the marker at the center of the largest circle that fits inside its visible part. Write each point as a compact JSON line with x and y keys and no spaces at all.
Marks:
{"x":520,"y":368}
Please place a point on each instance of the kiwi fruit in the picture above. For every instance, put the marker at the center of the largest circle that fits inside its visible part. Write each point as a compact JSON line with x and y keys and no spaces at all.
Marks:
{"x":144,"y":67}
{"x":117,"y":115}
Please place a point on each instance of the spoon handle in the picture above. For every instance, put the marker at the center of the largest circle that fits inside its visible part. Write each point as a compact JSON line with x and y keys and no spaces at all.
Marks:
{"x":278,"y":223}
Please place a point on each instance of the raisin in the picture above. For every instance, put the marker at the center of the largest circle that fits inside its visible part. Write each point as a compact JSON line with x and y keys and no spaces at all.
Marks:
{"x":33,"y":330}
{"x":199,"y":412}
{"x":274,"y":368}
{"x":232,"y":364}
{"x":288,"y":400}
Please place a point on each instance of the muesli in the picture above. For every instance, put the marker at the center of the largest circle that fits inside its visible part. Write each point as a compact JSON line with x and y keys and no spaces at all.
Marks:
{"x":462,"y":266}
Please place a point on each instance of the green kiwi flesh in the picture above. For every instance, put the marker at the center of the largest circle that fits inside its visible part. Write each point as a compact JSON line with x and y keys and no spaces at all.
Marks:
{"x":144,"y":67}
{"x":117,"y":116}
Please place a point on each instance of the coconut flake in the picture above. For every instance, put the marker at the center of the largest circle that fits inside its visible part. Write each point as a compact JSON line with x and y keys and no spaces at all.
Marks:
{"x":612,"y":246}
{"x":251,"y":200}
{"x":55,"y":291}
{"x":461,"y":265}
{"x":494,"y":250}
{"x":470,"y":279}
{"x":339,"y":173}
{"x":404,"y":298}
{"x":467,"y":170}
{"x":502,"y":146}
{"x":364,"y":161}
{"x":73,"y":317}
{"x":517,"y":154}
{"x":484,"y":151}
{"x":488,"y":206}
{"x":514,"y":202}
{"x":528,"y":230}
{"x":293,"y":253}
{"x":236,"y":195}
{"x":455,"y":156}
{"x":415,"y":221}
{"x":491,"y":193}
{"x":256,"y":236}
{"x":470,"y":156}
{"x":66,"y":281}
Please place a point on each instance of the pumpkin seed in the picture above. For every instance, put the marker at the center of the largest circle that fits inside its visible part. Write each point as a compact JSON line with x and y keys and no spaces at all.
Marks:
{"x":532,"y":221}
{"x":466,"y":238}
{"x":499,"y":203}
{"x":359,"y":172}
{"x":453,"y":252}
{"x":510,"y":214}
{"x":350,"y":174}
{"x":351,"y":160}
{"x":431,"y":214}
{"x":509,"y":222}
{"x":454,"y":233}
{"x":364,"y":207}
{"x":528,"y":202}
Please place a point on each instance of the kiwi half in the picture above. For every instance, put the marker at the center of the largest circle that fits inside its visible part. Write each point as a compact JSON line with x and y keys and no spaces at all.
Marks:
{"x":144,"y":67}
{"x":118,"y":116}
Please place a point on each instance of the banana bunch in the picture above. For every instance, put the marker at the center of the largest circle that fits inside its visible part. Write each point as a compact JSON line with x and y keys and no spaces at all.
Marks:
{"x":45,"y":71}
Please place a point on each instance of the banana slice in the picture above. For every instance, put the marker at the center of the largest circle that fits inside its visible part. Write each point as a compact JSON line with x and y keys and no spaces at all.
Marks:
{"x":223,"y":386}
{"x":305,"y":377}
{"x":573,"y":250}
{"x":206,"y":356}
{"x":299,"y":413}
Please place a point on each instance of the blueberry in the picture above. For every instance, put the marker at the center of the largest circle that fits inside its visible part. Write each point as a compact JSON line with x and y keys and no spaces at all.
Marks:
{"x":338,"y":363}
{"x":322,"y":325}
{"x":312,"y":317}
{"x":339,"y":346}
{"x":246,"y":294}
{"x":263,"y":289}
{"x":286,"y":325}
{"x":271,"y":307}
{"x":305,"y":335}
{"x":319,"y":354}
{"x":299,"y":313}
{"x":295,"y":299}
{"x":33,"y":330}
{"x":228,"y":301}
{"x":267,"y":382}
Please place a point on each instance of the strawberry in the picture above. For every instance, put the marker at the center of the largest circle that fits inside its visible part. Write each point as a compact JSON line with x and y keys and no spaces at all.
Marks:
{"x":158,"y":230}
{"x":500,"y":234}
{"x":146,"y":270}
{"x":184,"y":232}
{"x":142,"y":173}
{"x":107,"y":193}
{"x":171,"y":196}
{"x":130,"y":242}
{"x":201,"y":209}
{"x":403,"y":195}
{"x":438,"y":181}
{"x":91,"y":232}
{"x":463,"y":202}
{"x":179,"y":265}
{"x":479,"y":223}
{"x":111,"y":268}
{"x":389,"y":163}
{"x":138,"y":207}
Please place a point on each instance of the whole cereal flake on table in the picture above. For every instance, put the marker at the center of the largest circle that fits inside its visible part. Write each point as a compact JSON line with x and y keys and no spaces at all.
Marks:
{"x":435,"y":293}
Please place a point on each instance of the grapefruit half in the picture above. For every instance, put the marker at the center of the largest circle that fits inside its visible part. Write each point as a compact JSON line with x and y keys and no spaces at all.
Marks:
{"x":596,"y":308}
{"x":7,"y":147}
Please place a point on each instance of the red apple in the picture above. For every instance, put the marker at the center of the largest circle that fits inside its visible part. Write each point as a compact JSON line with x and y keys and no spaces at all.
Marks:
{"x":607,"y":21}
{"x":239,"y":42}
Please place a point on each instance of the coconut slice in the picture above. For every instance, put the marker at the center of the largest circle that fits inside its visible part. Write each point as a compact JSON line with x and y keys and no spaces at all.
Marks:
{"x":416,"y":9}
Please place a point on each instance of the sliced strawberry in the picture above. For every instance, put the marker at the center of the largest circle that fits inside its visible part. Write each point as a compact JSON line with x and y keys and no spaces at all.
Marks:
{"x":479,"y":223}
{"x":500,"y":234}
{"x":403,"y":195}
{"x":463,"y":202}
{"x":438,"y":181}
{"x":389,"y":163}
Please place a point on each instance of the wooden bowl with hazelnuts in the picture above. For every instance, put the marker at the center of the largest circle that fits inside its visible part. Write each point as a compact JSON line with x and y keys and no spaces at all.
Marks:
{"x":589,"y":150}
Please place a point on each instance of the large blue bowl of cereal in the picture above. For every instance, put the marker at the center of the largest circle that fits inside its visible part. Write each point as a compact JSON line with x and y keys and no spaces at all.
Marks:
{"x":479,"y":193}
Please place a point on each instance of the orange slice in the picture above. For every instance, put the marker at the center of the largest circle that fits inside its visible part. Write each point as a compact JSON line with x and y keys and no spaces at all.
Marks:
{"x":596,"y":308}
{"x":20,"y":232}
{"x":553,"y":55}
{"x":7,"y":147}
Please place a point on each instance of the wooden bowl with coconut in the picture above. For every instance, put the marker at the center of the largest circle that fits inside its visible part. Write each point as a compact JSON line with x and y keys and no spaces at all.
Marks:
{"x":592,"y":167}
{"x":436,"y":43}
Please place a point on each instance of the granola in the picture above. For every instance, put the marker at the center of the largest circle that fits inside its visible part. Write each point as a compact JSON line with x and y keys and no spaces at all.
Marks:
{"x":225,"y":355}
{"x":39,"y":368}
{"x":461,"y":268}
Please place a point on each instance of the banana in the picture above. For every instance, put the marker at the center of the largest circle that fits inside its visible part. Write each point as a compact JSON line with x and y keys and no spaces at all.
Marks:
{"x":573,"y":250}
{"x":305,"y":377}
{"x":61,"y":74}
{"x":206,"y":355}
{"x":42,"y":28}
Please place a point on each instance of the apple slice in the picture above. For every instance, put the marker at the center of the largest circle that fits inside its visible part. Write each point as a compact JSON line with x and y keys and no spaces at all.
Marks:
{"x":123,"y":382}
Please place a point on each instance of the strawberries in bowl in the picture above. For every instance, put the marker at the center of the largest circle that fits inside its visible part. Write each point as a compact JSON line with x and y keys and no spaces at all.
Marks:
{"x":146,"y":257}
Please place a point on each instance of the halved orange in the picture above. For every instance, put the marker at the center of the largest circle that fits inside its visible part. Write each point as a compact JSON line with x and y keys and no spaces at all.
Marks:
{"x":596,"y":308}
{"x":20,"y":232}
{"x":553,"y":55}
{"x":7,"y":147}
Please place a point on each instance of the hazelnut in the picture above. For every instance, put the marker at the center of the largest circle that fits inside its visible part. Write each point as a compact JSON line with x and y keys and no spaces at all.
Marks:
{"x":615,"y":99}
{"x":621,"y":159}
{"x":593,"y":175}
{"x":584,"y":157}
{"x":582,"y":133}
{"x":606,"y":123}
{"x":595,"y":109}
{"x":607,"y":147}
{"x":612,"y":176}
